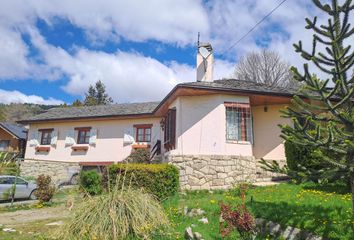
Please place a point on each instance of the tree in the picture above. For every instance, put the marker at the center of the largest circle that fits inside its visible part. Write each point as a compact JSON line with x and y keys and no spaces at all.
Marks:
{"x":97,"y":95}
{"x":265,"y":67}
{"x":322,"y":113}
{"x":77,"y":103}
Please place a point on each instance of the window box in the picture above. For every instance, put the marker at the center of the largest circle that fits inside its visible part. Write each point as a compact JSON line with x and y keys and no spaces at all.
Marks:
{"x":43,"y":148}
{"x":79,"y":148}
{"x":137,"y":146}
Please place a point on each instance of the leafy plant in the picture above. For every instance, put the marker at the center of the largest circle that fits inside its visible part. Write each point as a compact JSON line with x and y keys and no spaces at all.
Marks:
{"x":140,"y":155}
{"x":45,"y":189}
{"x":161,"y":180}
{"x":239,"y":219}
{"x":124,"y":213}
{"x":91,"y":182}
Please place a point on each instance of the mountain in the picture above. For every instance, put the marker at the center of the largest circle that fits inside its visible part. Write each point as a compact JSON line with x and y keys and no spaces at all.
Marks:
{"x":17,"y":111}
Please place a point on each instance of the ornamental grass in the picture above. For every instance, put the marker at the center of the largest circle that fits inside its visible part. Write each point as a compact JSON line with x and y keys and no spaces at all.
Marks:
{"x":124,"y":213}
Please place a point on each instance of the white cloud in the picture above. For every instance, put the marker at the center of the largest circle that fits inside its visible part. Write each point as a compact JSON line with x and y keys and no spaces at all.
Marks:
{"x":7,"y":97}
{"x":131,"y":76}
{"x":128,"y":76}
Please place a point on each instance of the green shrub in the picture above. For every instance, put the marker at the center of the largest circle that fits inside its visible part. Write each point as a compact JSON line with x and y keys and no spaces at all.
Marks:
{"x":297,"y":155}
{"x":161,"y":180}
{"x":119,"y":214}
{"x":91,"y":182}
{"x":45,"y":189}
{"x":306,"y":163}
{"x":140,"y":155}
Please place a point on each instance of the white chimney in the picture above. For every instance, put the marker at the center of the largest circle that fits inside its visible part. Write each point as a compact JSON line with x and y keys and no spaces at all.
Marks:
{"x":205,"y":62}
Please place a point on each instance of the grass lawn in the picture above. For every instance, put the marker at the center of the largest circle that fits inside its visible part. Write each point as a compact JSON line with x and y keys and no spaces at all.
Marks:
{"x":320,"y":210}
{"x":325,"y":211}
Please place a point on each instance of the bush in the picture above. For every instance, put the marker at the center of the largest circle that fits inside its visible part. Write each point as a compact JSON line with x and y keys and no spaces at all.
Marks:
{"x":119,"y":214}
{"x":161,"y":180}
{"x":45,"y":189}
{"x":306,"y":163}
{"x":91,"y":182}
{"x":297,"y":155}
{"x":140,"y":155}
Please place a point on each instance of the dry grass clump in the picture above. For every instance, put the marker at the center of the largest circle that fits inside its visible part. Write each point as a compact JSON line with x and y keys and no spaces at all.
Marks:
{"x":120,"y":214}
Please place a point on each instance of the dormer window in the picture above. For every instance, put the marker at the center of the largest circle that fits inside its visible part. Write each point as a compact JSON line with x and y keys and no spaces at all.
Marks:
{"x":46,"y":136}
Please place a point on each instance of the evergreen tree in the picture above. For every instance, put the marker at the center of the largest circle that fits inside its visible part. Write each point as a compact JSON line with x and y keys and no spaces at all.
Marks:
{"x":326,"y":121}
{"x":97,"y":95}
{"x":77,"y":103}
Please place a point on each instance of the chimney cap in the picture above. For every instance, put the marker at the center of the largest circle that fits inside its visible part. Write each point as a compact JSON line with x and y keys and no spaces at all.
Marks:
{"x":206,"y":45}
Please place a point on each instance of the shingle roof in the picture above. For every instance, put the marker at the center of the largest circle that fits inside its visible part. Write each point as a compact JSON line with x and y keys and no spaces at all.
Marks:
{"x":112,"y":110}
{"x":242,"y":86}
{"x":150,"y":107}
{"x":18,"y":130}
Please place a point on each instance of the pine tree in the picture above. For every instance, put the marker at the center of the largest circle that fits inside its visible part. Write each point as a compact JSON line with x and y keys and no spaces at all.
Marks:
{"x":97,"y":95}
{"x":322,"y":113}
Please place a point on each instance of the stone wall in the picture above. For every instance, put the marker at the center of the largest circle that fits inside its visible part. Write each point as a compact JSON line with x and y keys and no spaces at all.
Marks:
{"x":216,"y":171}
{"x":60,"y":172}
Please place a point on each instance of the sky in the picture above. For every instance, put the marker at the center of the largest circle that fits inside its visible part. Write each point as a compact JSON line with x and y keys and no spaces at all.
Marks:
{"x":52,"y":50}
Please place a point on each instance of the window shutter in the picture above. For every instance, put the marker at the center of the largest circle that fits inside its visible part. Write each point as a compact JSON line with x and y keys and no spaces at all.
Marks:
{"x":34,"y":139}
{"x":173,"y":129}
{"x":128,"y":137}
{"x":93,"y":136}
{"x":54,"y":139}
{"x":70,"y":137}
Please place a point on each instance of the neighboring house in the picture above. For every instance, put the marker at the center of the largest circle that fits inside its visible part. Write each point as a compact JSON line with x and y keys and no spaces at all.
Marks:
{"x":213,"y":131}
{"x":12,"y":137}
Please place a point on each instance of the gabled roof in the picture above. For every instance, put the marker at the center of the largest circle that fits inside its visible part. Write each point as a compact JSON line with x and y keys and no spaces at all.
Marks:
{"x":101,"y":111}
{"x":241,"y":86}
{"x":150,"y":108}
{"x":16,"y":130}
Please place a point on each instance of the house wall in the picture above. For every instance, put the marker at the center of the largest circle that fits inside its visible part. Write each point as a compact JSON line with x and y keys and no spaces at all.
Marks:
{"x":267,"y":141}
{"x":109,"y":144}
{"x":14,"y":142}
{"x":201,"y":126}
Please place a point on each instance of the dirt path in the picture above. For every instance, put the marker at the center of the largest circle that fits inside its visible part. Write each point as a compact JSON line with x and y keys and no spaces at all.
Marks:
{"x":25,"y":216}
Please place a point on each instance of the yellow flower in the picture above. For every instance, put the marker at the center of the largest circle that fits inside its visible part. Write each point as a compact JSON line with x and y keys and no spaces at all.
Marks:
{"x":212,"y":201}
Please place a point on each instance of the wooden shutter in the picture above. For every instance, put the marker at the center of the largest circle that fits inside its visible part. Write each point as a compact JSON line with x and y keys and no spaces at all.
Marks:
{"x":173,"y":129}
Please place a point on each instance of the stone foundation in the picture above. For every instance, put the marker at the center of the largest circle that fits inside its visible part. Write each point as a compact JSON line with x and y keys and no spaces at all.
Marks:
{"x":217,"y":171}
{"x":60,"y":172}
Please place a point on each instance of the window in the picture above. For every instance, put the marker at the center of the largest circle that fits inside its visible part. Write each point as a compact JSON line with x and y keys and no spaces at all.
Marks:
{"x":83,"y":135}
{"x":143,"y":132}
{"x":20,"y":181}
{"x":4,"y":145}
{"x":238,"y":122}
{"x":46,"y":136}
{"x":170,"y":130}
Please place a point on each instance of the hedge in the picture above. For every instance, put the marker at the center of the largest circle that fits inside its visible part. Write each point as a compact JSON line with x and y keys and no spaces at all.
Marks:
{"x":161,"y":180}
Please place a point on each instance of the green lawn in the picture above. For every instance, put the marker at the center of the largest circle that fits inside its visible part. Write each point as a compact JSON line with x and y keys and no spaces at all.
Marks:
{"x":320,"y":210}
{"x":325,"y":211}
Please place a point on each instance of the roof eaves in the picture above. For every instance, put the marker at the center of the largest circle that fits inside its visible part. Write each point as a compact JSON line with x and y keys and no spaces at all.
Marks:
{"x":81,"y":118}
{"x":9,"y":131}
{"x":224,"y":89}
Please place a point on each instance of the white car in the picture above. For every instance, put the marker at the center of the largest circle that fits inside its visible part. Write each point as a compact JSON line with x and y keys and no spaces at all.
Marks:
{"x":24,"y":189}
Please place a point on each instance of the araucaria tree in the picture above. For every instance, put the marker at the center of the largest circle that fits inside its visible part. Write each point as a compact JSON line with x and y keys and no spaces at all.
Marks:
{"x":322,"y":113}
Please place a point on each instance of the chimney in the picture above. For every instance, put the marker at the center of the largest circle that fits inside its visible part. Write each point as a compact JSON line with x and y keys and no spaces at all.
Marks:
{"x":205,"y":62}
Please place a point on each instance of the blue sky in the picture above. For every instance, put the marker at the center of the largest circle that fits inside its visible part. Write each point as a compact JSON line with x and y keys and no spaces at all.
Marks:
{"x":52,"y":50}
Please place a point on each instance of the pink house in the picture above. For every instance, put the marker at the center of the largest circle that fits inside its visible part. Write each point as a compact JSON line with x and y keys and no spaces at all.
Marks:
{"x":213,"y":131}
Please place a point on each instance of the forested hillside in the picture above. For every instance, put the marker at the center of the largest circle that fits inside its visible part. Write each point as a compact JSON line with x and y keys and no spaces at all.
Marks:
{"x":17,"y":111}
